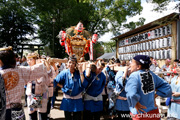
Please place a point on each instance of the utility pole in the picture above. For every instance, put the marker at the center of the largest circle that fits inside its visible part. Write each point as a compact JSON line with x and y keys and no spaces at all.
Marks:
{"x":53,"y":20}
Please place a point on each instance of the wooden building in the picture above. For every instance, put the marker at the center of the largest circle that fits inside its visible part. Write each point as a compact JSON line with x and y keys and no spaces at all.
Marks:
{"x":159,"y":39}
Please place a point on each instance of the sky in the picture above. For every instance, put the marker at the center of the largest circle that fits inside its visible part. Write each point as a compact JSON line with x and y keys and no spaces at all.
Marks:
{"x":147,"y":13}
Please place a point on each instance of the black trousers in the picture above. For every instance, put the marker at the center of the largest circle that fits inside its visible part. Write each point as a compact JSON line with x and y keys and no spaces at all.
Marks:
{"x":25,"y":97}
{"x":125,"y":115}
{"x":88,"y":115}
{"x":42,"y":116}
{"x":55,"y":93}
{"x":49,"y":105}
{"x":8,"y":114}
{"x":105,"y":104}
{"x":72,"y":115}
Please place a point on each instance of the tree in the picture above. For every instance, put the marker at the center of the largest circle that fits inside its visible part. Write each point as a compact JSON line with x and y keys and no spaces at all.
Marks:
{"x":109,"y":46}
{"x":98,"y":50}
{"x":15,"y":23}
{"x":161,"y":5}
{"x":132,"y":25}
{"x":96,"y":15}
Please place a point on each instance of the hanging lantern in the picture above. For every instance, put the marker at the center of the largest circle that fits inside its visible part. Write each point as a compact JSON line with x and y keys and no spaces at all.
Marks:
{"x":62,"y":35}
{"x":59,"y":35}
{"x":94,"y":38}
{"x":79,"y":27}
{"x":62,"y":43}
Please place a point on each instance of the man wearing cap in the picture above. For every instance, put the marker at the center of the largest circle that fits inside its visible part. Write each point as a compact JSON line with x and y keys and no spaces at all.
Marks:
{"x":141,"y":88}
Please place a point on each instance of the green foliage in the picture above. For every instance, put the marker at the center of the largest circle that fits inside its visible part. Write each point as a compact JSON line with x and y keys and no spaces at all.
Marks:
{"x":114,"y":12}
{"x":132,"y":25}
{"x":109,"y":46}
{"x":162,"y":4}
{"x":98,"y":16}
{"x":98,"y":50}
{"x":15,"y":23}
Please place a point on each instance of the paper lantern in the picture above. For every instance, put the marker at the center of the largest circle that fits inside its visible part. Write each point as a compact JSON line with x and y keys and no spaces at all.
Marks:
{"x":169,"y":29}
{"x":169,"y":53}
{"x":157,"y":44}
{"x":169,"y":41}
{"x":157,"y":55}
{"x":63,"y":35}
{"x":164,"y":30}
{"x":94,"y":38}
{"x":160,"y":32}
{"x":79,"y":27}
{"x":165,"y":42}
{"x":62,"y":43}
{"x":156,"y":33}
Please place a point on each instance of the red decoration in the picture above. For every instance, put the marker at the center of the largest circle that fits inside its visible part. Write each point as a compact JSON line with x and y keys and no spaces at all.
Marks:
{"x":63,"y":34}
{"x":94,"y":38}
{"x":91,"y":51}
{"x":76,"y":44}
{"x":62,"y":43}
{"x":67,"y":48}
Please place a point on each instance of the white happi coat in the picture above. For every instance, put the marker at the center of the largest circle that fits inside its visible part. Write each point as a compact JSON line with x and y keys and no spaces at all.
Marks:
{"x":41,"y":87}
{"x":16,"y":78}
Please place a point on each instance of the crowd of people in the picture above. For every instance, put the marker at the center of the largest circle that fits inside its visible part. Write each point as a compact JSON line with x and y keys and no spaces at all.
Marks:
{"x":90,"y":88}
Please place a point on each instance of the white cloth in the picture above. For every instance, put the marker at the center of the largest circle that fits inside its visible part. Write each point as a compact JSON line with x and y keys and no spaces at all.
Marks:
{"x":16,"y":78}
{"x":88,"y":97}
{"x":72,"y":97}
{"x":62,"y":67}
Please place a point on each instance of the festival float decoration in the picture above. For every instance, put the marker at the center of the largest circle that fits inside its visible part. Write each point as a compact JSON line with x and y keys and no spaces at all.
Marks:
{"x":77,"y":41}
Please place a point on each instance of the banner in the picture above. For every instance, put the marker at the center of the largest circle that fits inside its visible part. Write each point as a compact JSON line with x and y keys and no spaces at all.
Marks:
{"x":67,"y":49}
{"x":91,"y":51}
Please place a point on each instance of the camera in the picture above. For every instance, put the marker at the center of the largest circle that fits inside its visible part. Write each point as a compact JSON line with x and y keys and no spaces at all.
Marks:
{"x":36,"y":101}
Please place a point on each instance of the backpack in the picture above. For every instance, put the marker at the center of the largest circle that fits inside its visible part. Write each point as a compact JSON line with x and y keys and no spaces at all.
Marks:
{"x":2,"y":99}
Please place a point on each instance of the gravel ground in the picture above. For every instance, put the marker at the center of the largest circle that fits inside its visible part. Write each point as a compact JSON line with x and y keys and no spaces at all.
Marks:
{"x":57,"y":114}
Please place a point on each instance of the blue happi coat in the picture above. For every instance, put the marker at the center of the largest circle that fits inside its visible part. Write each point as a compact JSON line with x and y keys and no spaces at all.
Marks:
{"x":141,"y":87}
{"x":121,"y":105}
{"x":94,"y":90}
{"x":71,"y":86}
